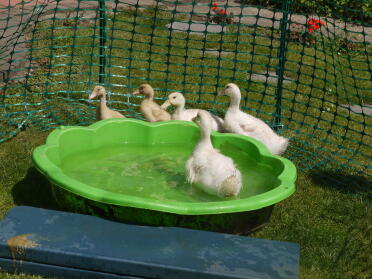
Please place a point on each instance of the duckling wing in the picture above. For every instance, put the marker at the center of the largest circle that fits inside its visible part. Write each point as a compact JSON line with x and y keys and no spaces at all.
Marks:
{"x":109,"y":113}
{"x":222,"y":165}
{"x":187,"y":114}
{"x":213,"y":164}
{"x":234,"y":127}
{"x":217,"y":123}
{"x":190,"y":171}
{"x":197,"y":166}
{"x":161,"y":115}
{"x":211,"y":170}
{"x":248,"y":127}
{"x":117,"y":114}
{"x":258,"y":129}
{"x":147,"y":113}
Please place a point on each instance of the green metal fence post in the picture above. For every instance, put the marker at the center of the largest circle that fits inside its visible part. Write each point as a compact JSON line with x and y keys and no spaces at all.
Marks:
{"x":102,"y":41}
{"x":281,"y":65}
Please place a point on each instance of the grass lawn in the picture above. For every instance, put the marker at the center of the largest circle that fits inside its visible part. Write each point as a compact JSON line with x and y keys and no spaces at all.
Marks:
{"x":331,"y":224}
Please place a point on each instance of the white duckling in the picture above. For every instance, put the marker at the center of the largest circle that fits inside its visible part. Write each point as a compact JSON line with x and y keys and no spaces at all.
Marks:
{"x":210,"y":170}
{"x":177,"y":100}
{"x":149,"y":108}
{"x":242,"y":123}
{"x":103,"y":112}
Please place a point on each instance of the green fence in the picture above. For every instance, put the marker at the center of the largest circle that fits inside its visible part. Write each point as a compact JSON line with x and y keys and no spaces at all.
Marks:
{"x":308,"y":76}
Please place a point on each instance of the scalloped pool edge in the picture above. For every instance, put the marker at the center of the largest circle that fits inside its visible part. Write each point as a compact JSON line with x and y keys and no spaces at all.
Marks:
{"x":56,"y":176}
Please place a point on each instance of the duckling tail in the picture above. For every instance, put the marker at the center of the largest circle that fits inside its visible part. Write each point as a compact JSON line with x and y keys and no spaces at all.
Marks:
{"x":230,"y":186}
{"x":282,"y":146}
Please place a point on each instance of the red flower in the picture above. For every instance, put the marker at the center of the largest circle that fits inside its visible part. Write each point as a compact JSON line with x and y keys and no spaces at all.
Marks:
{"x":214,"y":8}
{"x":222,"y":12}
{"x":314,"y":24}
{"x":313,"y":27}
{"x":313,"y":21}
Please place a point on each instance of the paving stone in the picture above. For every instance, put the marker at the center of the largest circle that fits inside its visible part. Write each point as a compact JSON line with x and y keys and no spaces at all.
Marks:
{"x":217,"y":52}
{"x":195,"y":28}
{"x":268,"y":77}
{"x":367,"y":110}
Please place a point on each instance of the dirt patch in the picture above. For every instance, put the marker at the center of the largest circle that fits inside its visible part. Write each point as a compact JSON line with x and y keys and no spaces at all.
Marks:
{"x":18,"y":244}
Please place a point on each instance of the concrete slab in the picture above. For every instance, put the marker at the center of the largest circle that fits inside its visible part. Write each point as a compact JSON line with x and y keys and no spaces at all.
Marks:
{"x":196,"y":28}
{"x":271,"y":77}
{"x":366,"y":109}
{"x":218,"y":52}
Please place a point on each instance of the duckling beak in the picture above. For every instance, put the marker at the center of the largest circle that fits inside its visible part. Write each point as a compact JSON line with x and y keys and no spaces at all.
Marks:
{"x":137,"y":92}
{"x":92,"y":95}
{"x":165,"y":105}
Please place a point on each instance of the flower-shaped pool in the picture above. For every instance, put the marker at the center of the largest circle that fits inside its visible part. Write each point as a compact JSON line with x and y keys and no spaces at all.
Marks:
{"x":134,"y":171}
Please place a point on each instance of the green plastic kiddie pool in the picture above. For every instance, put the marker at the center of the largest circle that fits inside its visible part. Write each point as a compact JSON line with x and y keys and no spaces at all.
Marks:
{"x":134,"y":171}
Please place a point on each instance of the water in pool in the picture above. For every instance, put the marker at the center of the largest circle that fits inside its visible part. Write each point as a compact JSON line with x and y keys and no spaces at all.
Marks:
{"x":156,"y":172}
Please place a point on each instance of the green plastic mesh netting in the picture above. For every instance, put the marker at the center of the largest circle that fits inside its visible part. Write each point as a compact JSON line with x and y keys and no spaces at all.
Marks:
{"x":303,"y":66}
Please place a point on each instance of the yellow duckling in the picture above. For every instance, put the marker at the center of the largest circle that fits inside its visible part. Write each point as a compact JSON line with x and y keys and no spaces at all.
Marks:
{"x":150,"y":109}
{"x":103,"y":112}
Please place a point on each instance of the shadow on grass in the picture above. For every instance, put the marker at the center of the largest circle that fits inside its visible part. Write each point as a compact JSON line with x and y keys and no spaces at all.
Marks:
{"x":34,"y":190}
{"x":345,"y":183}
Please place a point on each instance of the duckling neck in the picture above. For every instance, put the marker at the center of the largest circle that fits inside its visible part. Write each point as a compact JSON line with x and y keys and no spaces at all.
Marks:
{"x":205,"y":139}
{"x":102,"y":102}
{"x":234,"y":103}
{"x":150,"y":96}
{"x":179,"y":109}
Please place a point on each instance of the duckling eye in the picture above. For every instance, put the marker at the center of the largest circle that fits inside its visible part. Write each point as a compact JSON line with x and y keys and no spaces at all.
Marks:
{"x":174,"y":97}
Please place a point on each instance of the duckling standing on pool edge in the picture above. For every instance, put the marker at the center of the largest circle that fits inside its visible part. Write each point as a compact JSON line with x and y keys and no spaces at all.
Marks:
{"x":238,"y":122}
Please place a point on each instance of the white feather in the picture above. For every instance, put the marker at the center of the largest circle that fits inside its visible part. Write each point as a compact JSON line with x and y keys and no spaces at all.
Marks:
{"x":178,"y":100}
{"x":210,"y":170}
{"x":238,"y":122}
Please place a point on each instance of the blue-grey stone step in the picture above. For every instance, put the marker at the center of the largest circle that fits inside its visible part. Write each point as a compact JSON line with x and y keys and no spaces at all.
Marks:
{"x":68,"y":245}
